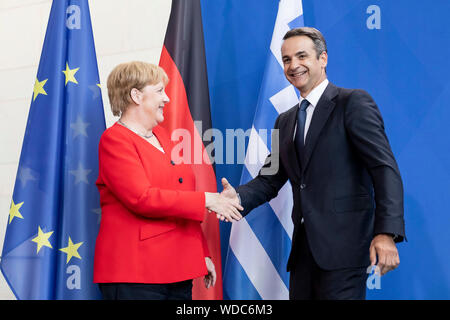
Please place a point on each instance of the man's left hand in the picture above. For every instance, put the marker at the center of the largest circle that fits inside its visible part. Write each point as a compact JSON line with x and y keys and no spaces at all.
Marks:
{"x":383,"y":247}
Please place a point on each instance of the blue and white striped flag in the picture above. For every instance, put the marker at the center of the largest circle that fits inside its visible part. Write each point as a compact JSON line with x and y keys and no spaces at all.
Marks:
{"x":260,"y":243}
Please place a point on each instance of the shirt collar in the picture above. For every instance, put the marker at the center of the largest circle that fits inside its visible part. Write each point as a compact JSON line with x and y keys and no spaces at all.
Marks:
{"x":314,"y":96}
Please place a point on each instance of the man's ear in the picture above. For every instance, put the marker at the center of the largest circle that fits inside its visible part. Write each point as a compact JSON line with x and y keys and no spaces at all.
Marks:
{"x":324,"y":59}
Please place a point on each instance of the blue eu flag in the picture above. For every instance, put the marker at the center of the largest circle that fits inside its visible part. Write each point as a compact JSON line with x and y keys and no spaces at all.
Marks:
{"x":55,"y":210}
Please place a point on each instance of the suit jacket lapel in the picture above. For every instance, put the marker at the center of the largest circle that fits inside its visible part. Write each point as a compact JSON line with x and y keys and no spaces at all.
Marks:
{"x":320,"y":116}
{"x":288,"y":141}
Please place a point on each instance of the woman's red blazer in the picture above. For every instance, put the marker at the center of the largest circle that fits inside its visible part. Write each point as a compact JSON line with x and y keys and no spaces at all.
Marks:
{"x":150,"y":227}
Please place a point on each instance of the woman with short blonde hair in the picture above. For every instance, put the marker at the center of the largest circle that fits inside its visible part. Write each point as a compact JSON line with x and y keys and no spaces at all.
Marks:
{"x":126,"y":76}
{"x":150,"y":244}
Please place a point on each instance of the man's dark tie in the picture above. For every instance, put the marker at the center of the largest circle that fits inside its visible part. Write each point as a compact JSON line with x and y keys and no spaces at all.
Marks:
{"x":301,"y":120}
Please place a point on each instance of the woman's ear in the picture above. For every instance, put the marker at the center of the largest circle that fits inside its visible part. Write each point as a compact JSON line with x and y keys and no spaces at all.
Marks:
{"x":135,"y":96}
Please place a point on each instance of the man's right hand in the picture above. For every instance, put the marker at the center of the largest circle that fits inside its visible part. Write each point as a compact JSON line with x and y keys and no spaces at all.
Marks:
{"x":230,"y":193}
{"x":226,"y":205}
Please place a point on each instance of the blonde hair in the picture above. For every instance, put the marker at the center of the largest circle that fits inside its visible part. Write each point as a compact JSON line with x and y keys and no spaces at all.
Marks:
{"x":129,"y":75}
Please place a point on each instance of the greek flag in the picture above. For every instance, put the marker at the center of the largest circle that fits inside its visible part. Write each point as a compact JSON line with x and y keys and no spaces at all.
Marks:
{"x":55,"y":209}
{"x":260,"y":243}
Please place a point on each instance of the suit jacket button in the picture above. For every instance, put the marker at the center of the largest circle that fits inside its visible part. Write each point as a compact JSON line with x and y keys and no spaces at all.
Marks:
{"x":180,"y":180}
{"x":302,"y":186}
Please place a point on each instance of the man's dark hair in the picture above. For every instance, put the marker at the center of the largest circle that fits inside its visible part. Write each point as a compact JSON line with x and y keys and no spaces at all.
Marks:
{"x":315,"y":35}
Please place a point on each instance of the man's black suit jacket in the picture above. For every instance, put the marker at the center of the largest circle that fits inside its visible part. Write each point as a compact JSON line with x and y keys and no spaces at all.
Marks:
{"x":347,"y":184}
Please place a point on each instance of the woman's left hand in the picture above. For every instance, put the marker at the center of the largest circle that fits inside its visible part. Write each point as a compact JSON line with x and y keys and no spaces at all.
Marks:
{"x":210,"y":278}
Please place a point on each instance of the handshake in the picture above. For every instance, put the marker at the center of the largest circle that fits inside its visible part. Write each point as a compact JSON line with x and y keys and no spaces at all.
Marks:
{"x":226,"y":204}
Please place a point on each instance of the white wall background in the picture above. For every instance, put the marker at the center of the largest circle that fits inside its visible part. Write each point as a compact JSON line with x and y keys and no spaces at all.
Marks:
{"x":123,"y":31}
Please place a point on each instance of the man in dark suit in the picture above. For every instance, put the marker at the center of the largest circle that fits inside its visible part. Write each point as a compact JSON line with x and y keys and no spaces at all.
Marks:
{"x":347,"y":189}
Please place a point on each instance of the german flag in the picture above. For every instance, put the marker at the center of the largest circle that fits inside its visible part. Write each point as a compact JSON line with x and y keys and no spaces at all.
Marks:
{"x":183,"y":59}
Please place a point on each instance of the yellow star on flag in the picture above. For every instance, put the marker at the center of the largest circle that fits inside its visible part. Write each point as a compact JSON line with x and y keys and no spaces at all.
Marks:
{"x":14,"y":211}
{"x":39,"y":88}
{"x":42,"y":239}
{"x":70,"y":74}
{"x":71,"y":250}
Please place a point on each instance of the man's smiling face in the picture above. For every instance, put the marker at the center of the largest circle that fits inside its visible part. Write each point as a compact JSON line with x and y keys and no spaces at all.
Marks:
{"x":302,"y":68}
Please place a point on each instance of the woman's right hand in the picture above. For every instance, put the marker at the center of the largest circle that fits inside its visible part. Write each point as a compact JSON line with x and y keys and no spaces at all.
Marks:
{"x":227,"y":209}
